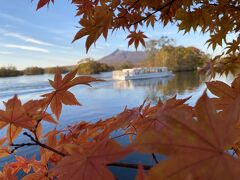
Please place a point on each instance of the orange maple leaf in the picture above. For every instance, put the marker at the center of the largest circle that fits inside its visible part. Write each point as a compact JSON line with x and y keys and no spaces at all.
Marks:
{"x":34,"y":110}
{"x":15,"y":114}
{"x":26,"y":165}
{"x":136,"y":37}
{"x":153,"y":118}
{"x":4,"y":151}
{"x":7,"y":174}
{"x":226,"y":94}
{"x":61,"y":94}
{"x":198,"y":147}
{"x":91,"y":162}
{"x":21,"y":164}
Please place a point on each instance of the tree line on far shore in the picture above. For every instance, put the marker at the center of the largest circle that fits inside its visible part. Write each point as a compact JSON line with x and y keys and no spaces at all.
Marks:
{"x":89,"y":67}
{"x":161,"y":52}
{"x":11,"y":71}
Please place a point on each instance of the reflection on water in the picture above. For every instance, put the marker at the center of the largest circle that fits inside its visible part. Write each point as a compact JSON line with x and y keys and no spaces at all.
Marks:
{"x":164,"y":88}
{"x":131,"y":84}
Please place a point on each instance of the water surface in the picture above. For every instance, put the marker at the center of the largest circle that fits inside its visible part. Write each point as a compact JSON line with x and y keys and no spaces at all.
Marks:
{"x":103,"y":99}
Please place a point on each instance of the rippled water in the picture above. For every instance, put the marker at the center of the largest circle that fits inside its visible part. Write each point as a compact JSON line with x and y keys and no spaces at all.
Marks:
{"x":103,"y":99}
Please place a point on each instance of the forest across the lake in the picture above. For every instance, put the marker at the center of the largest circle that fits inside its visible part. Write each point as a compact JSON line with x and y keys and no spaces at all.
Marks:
{"x":158,"y":53}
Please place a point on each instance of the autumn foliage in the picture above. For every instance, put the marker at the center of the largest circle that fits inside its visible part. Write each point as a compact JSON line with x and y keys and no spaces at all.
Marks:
{"x":220,"y":19}
{"x":199,"y":142}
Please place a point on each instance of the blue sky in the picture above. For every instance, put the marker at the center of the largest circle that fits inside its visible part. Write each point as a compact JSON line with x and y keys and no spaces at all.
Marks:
{"x":43,"y":38}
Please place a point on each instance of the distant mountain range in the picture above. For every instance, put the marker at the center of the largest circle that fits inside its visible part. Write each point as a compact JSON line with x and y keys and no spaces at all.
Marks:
{"x":119,"y":57}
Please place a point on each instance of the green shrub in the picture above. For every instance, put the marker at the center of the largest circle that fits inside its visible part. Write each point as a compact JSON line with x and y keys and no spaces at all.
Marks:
{"x":178,"y":58}
{"x":93,"y":67}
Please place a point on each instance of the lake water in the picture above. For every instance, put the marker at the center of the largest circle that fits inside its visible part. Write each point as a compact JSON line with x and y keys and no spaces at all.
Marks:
{"x":103,"y":99}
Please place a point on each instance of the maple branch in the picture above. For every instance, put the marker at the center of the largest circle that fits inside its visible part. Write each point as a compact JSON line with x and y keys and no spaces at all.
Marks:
{"x":17,"y":146}
{"x":37,"y":143}
{"x":43,"y":145}
{"x":154,"y":12}
{"x":129,"y":165}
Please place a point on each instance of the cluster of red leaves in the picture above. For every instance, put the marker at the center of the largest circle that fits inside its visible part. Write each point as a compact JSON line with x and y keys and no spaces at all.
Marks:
{"x":218,"y":18}
{"x":197,"y":141}
{"x":200,"y":142}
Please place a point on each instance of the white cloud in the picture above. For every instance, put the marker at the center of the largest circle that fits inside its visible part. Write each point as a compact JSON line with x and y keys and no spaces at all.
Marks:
{"x":27,"y":48}
{"x":65,"y":32}
{"x":12,"y":18}
{"x":27,"y":39}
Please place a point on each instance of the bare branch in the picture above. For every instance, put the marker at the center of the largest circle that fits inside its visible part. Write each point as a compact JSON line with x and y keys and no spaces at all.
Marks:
{"x":44,"y":145}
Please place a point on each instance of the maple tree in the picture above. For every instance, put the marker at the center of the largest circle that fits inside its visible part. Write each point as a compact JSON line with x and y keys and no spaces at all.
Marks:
{"x":199,"y":142}
{"x":219,"y":18}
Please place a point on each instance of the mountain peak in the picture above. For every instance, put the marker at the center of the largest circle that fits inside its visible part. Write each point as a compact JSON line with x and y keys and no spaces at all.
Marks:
{"x":119,"y":57}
